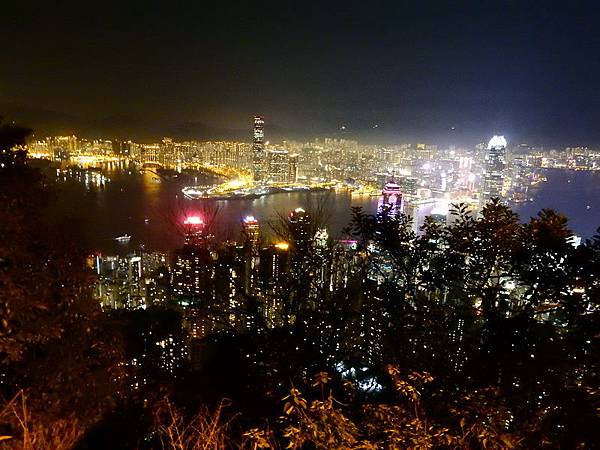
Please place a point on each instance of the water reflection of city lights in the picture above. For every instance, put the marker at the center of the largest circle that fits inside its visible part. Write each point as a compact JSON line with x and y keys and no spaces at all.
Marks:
{"x":89,"y":178}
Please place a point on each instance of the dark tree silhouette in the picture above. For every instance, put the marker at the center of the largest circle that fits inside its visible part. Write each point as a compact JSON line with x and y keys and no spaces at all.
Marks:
{"x":53,"y":335}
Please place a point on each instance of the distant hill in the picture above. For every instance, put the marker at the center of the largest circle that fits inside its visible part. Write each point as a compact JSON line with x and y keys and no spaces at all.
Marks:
{"x":52,"y":123}
{"x":46,"y":122}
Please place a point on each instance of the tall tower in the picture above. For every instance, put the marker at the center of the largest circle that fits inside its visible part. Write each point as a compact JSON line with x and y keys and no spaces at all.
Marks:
{"x":251,"y":232}
{"x":251,"y":252}
{"x":258,"y":147}
{"x":194,"y":229}
{"x":193,"y":264}
{"x":391,"y":200}
{"x":293,"y":169}
{"x":493,"y":171}
{"x":300,"y":226}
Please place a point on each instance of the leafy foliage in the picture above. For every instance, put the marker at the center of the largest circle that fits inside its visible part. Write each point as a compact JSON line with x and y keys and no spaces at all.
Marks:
{"x":52,"y":334}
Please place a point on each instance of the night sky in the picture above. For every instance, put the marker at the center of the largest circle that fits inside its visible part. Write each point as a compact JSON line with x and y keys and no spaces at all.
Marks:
{"x":447,"y":72}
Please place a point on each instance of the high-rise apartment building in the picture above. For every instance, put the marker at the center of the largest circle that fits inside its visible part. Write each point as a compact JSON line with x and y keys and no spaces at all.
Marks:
{"x":251,"y":252}
{"x":150,"y":153}
{"x":293,"y":168}
{"x":279,"y":166}
{"x":301,"y":228}
{"x":251,"y":232}
{"x":193,"y":265}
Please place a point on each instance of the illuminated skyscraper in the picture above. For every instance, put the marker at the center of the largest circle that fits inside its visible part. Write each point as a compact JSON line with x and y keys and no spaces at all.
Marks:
{"x":251,"y":231}
{"x":493,"y":173}
{"x":273,"y":267}
{"x":300,"y":225}
{"x":194,"y":229}
{"x":293,"y":168}
{"x":150,"y":153}
{"x":279,"y":166}
{"x":258,"y":147}
{"x":251,"y":252}
{"x":193,"y":265}
{"x":166,"y":152}
{"x":273,"y":276}
{"x":302,"y":255}
{"x":193,"y":272}
{"x":391,"y":199}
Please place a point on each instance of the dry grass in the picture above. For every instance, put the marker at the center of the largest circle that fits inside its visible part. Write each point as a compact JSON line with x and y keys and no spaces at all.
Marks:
{"x":204,"y":431}
{"x":29,"y":433}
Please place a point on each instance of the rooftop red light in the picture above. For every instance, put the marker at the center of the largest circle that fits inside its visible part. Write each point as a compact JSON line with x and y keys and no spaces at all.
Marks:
{"x":193,"y":220}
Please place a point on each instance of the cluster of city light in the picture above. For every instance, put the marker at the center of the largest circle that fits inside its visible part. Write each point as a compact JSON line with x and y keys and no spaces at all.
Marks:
{"x":193,"y":220}
{"x":94,"y":159}
{"x":454,"y":174}
{"x":233,"y":184}
{"x":38,"y":155}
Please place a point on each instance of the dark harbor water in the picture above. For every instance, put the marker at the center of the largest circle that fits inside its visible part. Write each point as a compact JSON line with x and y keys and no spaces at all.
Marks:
{"x":576,"y":194}
{"x":148,"y":209}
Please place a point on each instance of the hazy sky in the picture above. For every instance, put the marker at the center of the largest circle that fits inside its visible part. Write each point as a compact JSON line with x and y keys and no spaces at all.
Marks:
{"x":419,"y":69}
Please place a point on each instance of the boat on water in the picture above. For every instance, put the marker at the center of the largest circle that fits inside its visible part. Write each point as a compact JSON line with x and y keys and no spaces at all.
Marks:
{"x":124,"y":238}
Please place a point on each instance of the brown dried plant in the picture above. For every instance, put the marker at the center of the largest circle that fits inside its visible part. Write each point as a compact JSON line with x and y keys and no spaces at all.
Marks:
{"x":33,"y":433}
{"x":204,"y":431}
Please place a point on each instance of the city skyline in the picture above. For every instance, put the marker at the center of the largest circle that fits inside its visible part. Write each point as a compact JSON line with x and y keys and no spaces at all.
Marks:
{"x":428,"y":178}
{"x":266,"y":225}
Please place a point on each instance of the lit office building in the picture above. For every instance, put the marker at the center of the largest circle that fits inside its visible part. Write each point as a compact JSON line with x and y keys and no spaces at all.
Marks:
{"x":293,"y":168}
{"x":150,"y":153}
{"x":251,"y":253}
{"x":493,"y":173}
{"x":391,"y":200}
{"x":273,"y":275}
{"x":279,"y":166}
{"x":195,"y":231}
{"x":251,"y":232}
{"x":120,"y":281}
{"x":193,"y":272}
{"x":193,"y":265}
{"x":300,"y":225}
